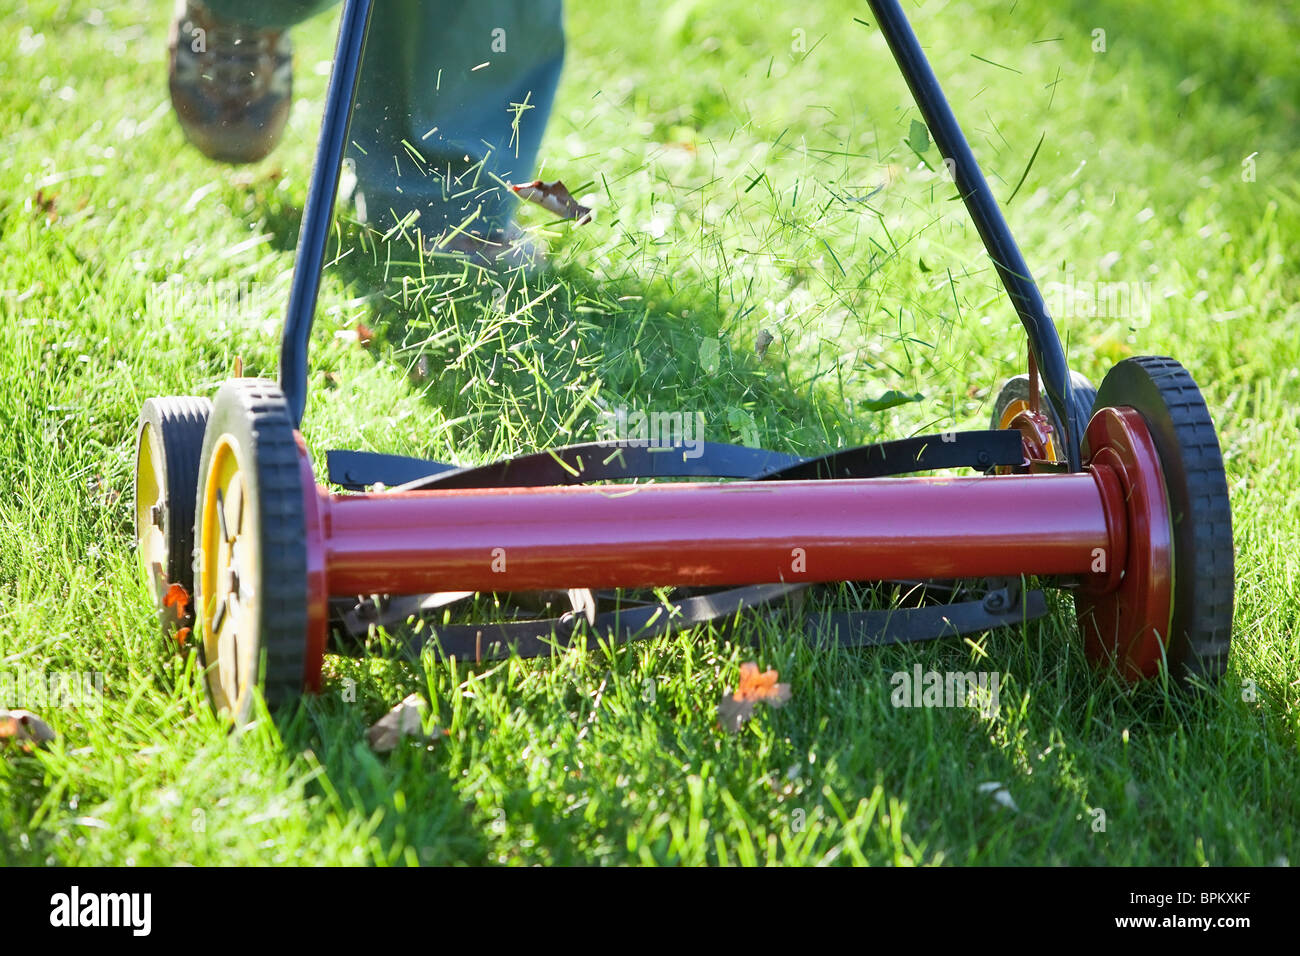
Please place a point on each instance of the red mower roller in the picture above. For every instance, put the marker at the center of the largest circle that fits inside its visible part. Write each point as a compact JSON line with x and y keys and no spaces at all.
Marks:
{"x":1116,"y":494}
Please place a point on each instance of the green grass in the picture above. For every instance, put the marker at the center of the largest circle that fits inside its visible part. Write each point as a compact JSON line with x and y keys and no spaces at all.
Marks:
{"x":729,"y":171}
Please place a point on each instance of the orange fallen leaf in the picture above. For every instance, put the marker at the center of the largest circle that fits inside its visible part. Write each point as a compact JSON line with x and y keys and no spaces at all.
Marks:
{"x":182,"y":636}
{"x":177,"y":595}
{"x":755,"y":687}
{"x":364,"y":334}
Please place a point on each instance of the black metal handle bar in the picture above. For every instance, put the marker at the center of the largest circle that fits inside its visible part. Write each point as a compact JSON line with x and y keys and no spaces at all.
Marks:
{"x":354,"y":24}
{"x":985,"y":213}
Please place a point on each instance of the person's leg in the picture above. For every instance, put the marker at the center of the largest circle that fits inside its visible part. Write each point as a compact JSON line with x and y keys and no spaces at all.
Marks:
{"x":453,"y":100}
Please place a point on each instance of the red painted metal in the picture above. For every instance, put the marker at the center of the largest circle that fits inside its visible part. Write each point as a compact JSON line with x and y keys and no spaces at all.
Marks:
{"x":519,"y":539}
{"x":317,"y":588}
{"x":1130,"y":624}
{"x":1035,"y":433}
{"x":711,"y":534}
{"x":1116,"y":510}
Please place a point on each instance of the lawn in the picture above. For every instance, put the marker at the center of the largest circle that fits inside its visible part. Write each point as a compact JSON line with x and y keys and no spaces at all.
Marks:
{"x":758,"y":178}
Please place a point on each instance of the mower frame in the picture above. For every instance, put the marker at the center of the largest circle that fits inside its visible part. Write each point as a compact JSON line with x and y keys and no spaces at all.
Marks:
{"x":1109,"y":502}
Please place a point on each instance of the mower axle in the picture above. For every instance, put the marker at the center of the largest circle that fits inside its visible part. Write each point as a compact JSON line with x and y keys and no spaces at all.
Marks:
{"x":610,"y":536}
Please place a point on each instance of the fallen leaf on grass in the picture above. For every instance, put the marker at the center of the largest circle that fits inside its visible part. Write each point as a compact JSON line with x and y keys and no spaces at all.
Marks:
{"x":754,"y":688}
{"x":555,"y":198}
{"x":178,"y":596}
{"x":25,"y":729}
{"x":404,"y":720}
{"x":47,"y":204}
{"x":1001,"y":796}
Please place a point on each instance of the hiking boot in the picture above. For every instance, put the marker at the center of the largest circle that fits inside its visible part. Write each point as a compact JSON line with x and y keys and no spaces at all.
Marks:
{"x":231,"y":84}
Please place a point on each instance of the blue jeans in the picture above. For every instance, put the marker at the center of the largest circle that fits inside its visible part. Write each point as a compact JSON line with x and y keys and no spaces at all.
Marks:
{"x":453,"y":99}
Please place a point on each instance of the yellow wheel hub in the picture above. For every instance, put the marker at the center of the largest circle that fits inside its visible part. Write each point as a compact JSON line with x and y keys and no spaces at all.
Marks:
{"x":150,"y":502}
{"x":226,"y":573}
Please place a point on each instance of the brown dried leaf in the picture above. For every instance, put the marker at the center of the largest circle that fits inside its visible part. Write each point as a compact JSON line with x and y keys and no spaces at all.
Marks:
{"x":555,"y":198}
{"x":47,"y":204}
{"x":25,"y":729}
{"x":365,"y":334}
{"x":404,"y":720}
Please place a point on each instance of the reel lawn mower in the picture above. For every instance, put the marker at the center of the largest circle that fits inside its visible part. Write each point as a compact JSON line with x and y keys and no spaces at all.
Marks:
{"x":1116,"y":494}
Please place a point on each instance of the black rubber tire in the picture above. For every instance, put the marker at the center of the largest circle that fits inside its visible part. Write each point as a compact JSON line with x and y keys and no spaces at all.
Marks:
{"x":1083,"y":395}
{"x":178,"y":424}
{"x":256,"y":415}
{"x":1170,"y":403}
